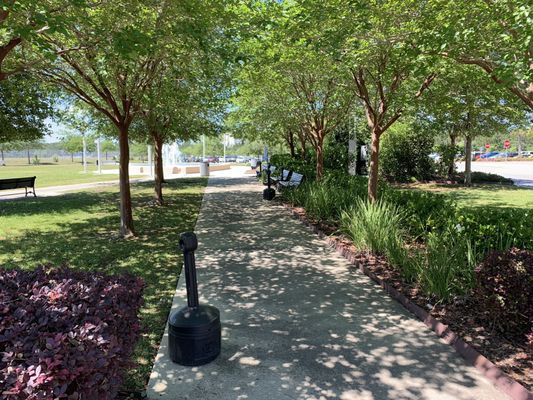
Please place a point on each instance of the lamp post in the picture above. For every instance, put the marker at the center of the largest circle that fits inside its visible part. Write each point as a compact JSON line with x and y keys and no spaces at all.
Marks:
{"x":150,"y":165}
{"x":225,"y":136}
{"x":98,"y":155}
{"x":84,"y":153}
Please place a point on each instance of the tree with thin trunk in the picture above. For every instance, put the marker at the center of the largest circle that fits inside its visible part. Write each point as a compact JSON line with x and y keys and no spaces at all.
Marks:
{"x":467,"y":104}
{"x":120,"y":47}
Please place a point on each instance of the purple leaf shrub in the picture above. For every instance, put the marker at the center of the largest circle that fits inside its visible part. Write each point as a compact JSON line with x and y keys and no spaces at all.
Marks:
{"x":66,"y":334}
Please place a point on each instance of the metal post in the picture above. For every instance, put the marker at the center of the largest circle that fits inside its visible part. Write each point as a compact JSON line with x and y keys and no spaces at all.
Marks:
{"x":189,"y":243}
{"x":224,"y":147}
{"x":84,"y":154}
{"x":99,"y":156}
{"x":203,"y":147}
{"x":150,"y":164}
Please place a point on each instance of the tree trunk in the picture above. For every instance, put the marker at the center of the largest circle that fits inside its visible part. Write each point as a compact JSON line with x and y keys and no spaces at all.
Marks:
{"x":320,"y":158}
{"x":72,"y":157}
{"x":301,"y":137}
{"x":126,"y":216}
{"x":374,"y":167}
{"x":2,"y":151}
{"x":451,"y":165}
{"x":158,"y":173}
{"x":29,"y":160}
{"x":106,"y":155}
{"x":290,"y":142}
{"x":468,"y":160}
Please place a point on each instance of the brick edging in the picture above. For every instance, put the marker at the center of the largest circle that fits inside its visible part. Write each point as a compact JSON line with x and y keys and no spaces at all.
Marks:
{"x":487,"y":368}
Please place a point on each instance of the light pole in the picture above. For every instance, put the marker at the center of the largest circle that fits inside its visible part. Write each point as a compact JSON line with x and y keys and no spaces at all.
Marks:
{"x":99,"y":156}
{"x":84,"y":154}
{"x":203,"y":147}
{"x":225,"y":147}
{"x":150,"y":160}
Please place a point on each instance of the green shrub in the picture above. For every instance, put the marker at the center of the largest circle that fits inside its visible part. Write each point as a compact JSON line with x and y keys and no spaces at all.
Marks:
{"x":373,"y":227}
{"x":497,"y":228}
{"x":484,"y":177}
{"x":446,"y":266}
{"x":405,"y":154}
{"x":305,"y":167}
{"x":424,"y":211}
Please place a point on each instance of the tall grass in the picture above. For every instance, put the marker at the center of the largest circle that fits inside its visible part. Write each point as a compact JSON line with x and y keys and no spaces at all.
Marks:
{"x":376,"y":227}
{"x":372,"y":227}
{"x":446,"y":266}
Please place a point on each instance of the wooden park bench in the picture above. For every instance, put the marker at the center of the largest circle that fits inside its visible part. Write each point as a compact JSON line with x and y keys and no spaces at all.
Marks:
{"x":16,"y":183}
{"x":295,"y":180}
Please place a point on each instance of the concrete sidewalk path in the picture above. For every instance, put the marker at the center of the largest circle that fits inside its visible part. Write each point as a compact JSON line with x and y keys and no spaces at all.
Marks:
{"x":298,"y":321}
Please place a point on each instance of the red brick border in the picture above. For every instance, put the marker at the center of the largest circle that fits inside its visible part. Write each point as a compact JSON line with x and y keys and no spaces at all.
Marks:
{"x":498,"y":378}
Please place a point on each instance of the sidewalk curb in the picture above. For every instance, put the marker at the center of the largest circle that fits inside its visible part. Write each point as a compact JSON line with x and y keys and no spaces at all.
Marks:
{"x":490,"y":371}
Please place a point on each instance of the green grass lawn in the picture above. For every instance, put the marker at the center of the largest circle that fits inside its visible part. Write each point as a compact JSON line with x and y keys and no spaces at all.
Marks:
{"x":64,"y":173}
{"x":487,"y":195}
{"x":81,"y":229}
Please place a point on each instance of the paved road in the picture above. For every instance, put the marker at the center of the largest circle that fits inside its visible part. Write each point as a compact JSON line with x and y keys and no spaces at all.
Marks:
{"x":521,"y":172}
{"x":298,"y":321}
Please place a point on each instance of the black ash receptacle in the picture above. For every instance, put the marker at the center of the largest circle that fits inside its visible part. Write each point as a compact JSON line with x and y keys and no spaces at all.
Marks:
{"x":194,"y":336}
{"x":269,"y":193}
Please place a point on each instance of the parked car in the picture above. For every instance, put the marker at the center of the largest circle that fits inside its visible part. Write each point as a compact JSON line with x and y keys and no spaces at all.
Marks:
{"x":505,"y":155}
{"x":489,"y":155}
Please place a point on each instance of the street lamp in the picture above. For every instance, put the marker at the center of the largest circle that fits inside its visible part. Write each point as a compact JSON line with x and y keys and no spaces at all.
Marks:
{"x":98,"y":155}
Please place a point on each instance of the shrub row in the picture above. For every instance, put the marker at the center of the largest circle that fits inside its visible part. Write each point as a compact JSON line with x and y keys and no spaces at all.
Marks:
{"x":66,"y":334}
{"x":454,"y":239}
{"x":423,"y":212}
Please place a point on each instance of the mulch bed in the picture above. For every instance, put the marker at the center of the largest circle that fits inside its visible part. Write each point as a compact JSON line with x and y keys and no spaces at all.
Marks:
{"x":462,"y":316}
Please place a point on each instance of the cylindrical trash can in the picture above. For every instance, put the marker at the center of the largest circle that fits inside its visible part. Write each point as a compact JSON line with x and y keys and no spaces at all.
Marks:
{"x":204,"y":168}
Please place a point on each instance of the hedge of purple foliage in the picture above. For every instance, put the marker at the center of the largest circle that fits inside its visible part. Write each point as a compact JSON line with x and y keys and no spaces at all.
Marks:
{"x":66,"y":334}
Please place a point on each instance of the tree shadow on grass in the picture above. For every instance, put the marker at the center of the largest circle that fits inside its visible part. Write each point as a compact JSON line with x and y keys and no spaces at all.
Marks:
{"x":93,"y":244}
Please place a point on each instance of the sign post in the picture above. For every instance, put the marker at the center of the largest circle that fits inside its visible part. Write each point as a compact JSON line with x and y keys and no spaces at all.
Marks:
{"x":506,"y":146}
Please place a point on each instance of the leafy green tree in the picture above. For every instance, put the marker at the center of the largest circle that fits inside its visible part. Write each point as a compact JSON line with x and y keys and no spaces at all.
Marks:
{"x":108,"y":145}
{"x":495,"y":36}
{"x":467,"y":104}
{"x":183,"y":103}
{"x":309,"y":84}
{"x":373,"y":42}
{"x":120,"y":49}
{"x":405,"y":152}
{"x":24,"y":107}
{"x":23,"y":25}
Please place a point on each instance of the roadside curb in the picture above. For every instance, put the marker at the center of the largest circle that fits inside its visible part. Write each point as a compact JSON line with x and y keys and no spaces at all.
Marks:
{"x":495,"y":375}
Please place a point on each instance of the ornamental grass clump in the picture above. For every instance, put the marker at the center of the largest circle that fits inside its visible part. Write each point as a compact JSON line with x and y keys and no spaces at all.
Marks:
{"x":373,"y":227}
{"x":66,"y":334}
{"x":446,"y":266}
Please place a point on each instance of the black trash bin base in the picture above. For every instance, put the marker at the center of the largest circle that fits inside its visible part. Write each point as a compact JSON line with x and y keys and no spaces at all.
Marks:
{"x":269,"y":194}
{"x":194,"y":335}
